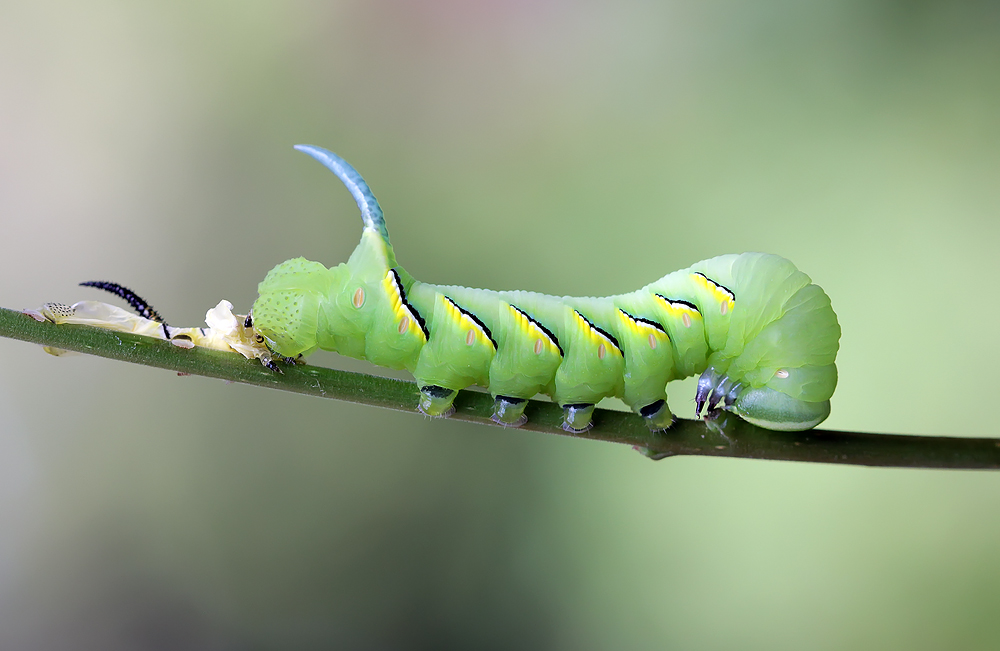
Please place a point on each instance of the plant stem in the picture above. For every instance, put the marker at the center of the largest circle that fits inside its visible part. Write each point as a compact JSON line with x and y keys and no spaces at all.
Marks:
{"x":729,"y":436}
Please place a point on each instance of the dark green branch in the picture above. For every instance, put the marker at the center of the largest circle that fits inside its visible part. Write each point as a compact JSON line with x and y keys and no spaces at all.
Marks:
{"x":729,"y":437}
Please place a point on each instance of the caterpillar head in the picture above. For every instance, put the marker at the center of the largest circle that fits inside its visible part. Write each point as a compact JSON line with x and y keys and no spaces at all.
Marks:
{"x":782,"y":375}
{"x":785,"y":408}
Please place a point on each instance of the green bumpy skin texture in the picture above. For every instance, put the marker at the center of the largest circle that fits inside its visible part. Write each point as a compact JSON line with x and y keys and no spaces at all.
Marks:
{"x":754,"y":325}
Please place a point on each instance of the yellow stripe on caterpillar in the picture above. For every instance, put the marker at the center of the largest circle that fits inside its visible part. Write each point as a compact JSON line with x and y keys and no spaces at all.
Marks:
{"x":721,"y":293}
{"x":544,"y":340}
{"x":688,"y":313}
{"x":476,"y":330}
{"x":651,"y":330}
{"x":406,"y":316}
{"x":603,"y":340}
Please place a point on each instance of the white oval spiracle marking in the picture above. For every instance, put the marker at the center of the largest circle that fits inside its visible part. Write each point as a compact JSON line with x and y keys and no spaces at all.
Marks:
{"x":652,"y":341}
{"x":782,"y":373}
{"x":404,"y":324}
{"x":686,"y":318}
{"x":359,"y":297}
{"x":470,"y":338}
{"x":538,"y":346}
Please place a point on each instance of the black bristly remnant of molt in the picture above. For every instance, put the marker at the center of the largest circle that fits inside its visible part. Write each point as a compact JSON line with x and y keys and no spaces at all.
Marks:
{"x":137,"y":303}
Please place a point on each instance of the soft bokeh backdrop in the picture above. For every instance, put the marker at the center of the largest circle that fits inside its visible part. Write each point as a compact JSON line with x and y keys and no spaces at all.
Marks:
{"x":562,"y":147}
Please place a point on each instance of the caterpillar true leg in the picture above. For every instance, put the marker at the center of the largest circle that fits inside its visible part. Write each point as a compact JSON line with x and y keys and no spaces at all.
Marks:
{"x":733,"y":394}
{"x":719,"y":392}
{"x":706,"y":384}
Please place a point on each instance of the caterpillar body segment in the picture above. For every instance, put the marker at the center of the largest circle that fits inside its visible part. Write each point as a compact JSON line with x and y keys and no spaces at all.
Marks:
{"x":762,"y":336}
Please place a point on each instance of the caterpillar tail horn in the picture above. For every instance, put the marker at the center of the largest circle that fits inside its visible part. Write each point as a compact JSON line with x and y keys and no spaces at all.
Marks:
{"x":371,"y":212}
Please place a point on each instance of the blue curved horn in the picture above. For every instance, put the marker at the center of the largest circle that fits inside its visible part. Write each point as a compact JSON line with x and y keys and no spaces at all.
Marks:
{"x":371,"y":212}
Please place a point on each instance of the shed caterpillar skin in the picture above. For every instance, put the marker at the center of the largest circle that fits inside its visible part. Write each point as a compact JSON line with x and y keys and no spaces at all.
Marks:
{"x":762,"y":336}
{"x":225,"y":331}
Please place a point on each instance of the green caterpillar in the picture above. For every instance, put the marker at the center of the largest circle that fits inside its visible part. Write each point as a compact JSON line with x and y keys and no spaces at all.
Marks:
{"x":762,"y":336}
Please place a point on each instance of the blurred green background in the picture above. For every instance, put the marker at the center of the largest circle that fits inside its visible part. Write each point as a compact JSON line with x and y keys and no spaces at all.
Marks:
{"x":570,"y":148}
